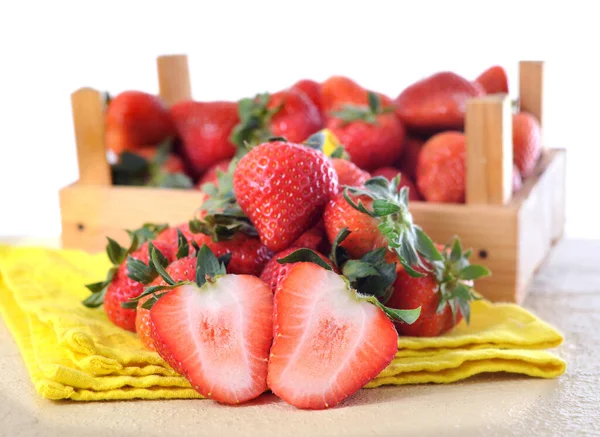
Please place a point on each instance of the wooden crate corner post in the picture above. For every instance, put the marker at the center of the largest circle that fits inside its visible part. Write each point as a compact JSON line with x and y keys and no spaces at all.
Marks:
{"x":173,"y":78}
{"x":79,"y":206}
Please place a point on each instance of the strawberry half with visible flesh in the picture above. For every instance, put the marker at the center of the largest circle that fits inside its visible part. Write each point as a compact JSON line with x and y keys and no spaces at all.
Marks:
{"x":372,"y":135}
{"x":328,"y":341}
{"x":436,"y":103}
{"x":217,"y":332}
{"x":135,"y":119}
{"x":283,"y":188}
{"x":493,"y":80}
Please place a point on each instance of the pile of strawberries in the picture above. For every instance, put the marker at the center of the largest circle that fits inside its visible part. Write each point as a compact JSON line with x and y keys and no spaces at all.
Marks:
{"x":300,"y":269}
{"x":419,"y":134}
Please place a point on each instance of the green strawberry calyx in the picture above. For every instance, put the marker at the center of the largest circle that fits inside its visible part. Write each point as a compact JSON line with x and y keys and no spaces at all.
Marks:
{"x":223,"y":217}
{"x":117,"y":255}
{"x":371,"y":276}
{"x":208,"y":269}
{"x":367,"y":114}
{"x":135,"y":170}
{"x":390,"y":207}
{"x":455,"y":275}
{"x":254,"y":126}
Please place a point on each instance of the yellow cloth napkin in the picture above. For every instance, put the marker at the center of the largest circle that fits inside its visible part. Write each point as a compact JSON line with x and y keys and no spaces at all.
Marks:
{"x":73,"y":352}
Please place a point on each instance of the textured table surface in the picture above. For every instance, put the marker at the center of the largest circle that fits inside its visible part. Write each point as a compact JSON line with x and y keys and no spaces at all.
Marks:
{"x":566,"y":293}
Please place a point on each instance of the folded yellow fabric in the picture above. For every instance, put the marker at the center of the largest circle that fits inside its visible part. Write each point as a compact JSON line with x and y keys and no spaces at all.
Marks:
{"x":73,"y":352}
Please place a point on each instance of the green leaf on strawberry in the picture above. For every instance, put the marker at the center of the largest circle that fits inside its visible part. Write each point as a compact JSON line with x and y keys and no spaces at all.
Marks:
{"x":253,"y":128}
{"x":368,"y":114}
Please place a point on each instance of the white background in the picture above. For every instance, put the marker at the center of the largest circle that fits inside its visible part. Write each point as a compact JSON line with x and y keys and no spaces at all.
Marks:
{"x":48,"y":49}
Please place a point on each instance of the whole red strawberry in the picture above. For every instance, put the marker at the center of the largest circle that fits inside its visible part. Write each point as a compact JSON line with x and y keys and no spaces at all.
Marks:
{"x":288,"y":114}
{"x":315,"y":238}
{"x":411,"y":149}
{"x":313,"y":91}
{"x":283,"y":188}
{"x":338,"y":91}
{"x":349,"y":173}
{"x":391,"y":172}
{"x":444,"y":302}
{"x":441,"y":173}
{"x":274,"y":271}
{"x":527,"y":142}
{"x":436,"y":103}
{"x":212,"y":174}
{"x":135,"y":119}
{"x":131,"y":271}
{"x":493,"y":80}
{"x":204,"y":129}
{"x":371,"y":135}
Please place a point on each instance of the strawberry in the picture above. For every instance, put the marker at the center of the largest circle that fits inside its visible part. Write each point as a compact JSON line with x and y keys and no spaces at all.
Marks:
{"x":441,"y":169}
{"x":436,"y":103}
{"x":493,"y":80}
{"x":377,"y":216}
{"x":283,"y":188}
{"x":212,"y":174}
{"x":314,"y":238}
{"x":444,"y":294}
{"x":328,"y":341}
{"x":289,"y":114}
{"x":527,"y":142}
{"x":135,"y":119}
{"x":312,"y":90}
{"x":153,"y":167}
{"x":371,"y":134}
{"x":411,"y":149}
{"x":204,"y":129}
{"x":274,"y":271}
{"x":390,"y":173}
{"x":349,"y":173}
{"x":217,"y":331}
{"x":338,"y":91}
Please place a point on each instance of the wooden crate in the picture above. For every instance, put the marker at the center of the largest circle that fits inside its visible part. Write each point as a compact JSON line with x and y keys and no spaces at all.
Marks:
{"x":510,"y":234}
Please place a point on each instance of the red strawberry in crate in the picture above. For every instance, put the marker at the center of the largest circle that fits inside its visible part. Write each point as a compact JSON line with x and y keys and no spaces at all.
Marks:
{"x":313,"y":91}
{"x":314,"y":238}
{"x":289,"y":114}
{"x":441,"y":170}
{"x":128,"y":275}
{"x":372,"y":135}
{"x":390,"y":173}
{"x":153,"y":167}
{"x":436,"y":103}
{"x":377,"y":216}
{"x":328,"y":341}
{"x":493,"y":80}
{"x":204,"y":129}
{"x":444,"y":294}
{"x":411,"y":149}
{"x":283,"y":188}
{"x":216,"y":332}
{"x":349,"y":173}
{"x":135,"y":119}
{"x":527,"y":142}
{"x":212,"y":174}
{"x":338,"y":91}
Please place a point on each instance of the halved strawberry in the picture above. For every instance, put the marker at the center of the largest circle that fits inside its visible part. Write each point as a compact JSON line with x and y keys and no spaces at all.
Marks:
{"x":216,"y":331}
{"x":329,"y":341}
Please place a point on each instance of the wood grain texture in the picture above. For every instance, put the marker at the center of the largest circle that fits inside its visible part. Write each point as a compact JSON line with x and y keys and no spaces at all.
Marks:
{"x":173,"y":78}
{"x":88,"y":121}
{"x":541,"y":217}
{"x":488,"y":131}
{"x":531,"y":88}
